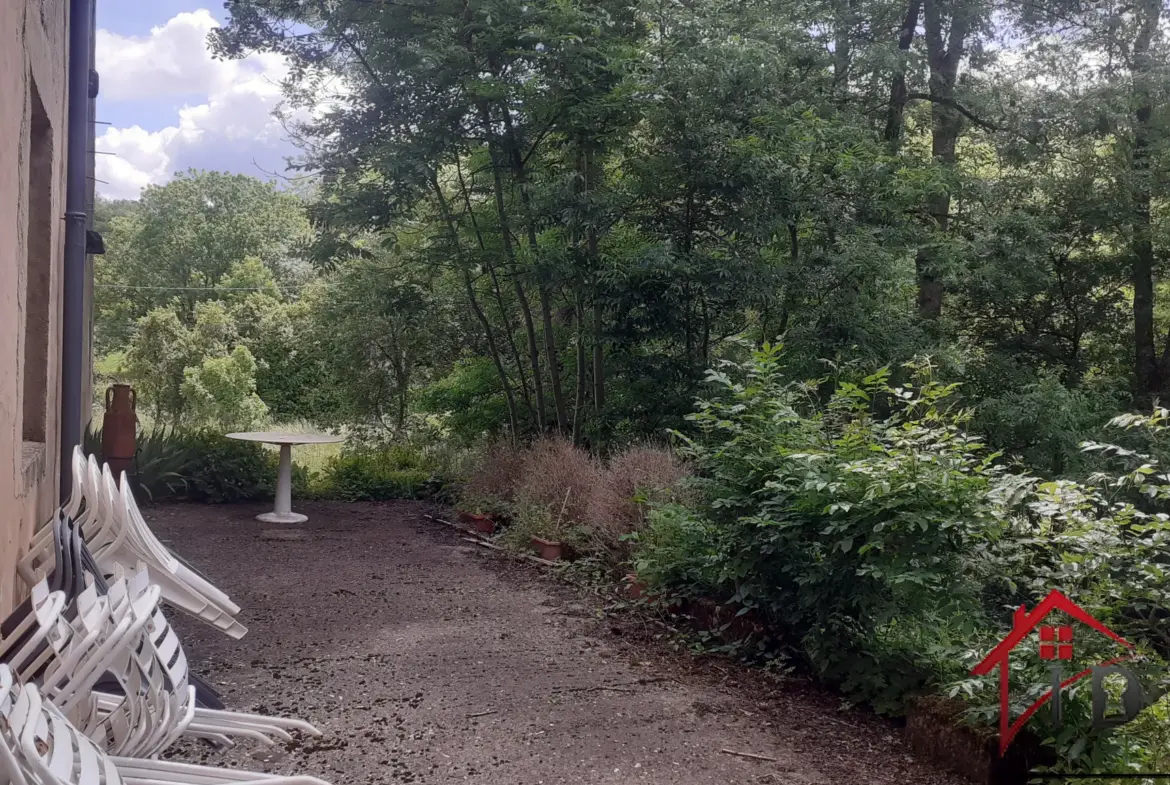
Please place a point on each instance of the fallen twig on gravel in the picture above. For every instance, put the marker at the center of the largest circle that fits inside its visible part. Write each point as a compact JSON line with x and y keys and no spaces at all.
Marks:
{"x":495,"y":547}
{"x":481,"y":714}
{"x":595,"y":688}
{"x":751,"y":755}
{"x":485,"y":543}
{"x":463,"y":529}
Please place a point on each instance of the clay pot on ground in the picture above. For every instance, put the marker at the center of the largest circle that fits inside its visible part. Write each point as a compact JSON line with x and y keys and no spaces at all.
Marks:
{"x":634,"y":587}
{"x":484,"y":524}
{"x":550,"y":550}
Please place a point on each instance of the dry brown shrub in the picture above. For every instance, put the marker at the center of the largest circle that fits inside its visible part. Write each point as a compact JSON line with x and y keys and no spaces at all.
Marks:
{"x":497,"y":474}
{"x":552,"y":489}
{"x":559,"y":477}
{"x":653,"y":473}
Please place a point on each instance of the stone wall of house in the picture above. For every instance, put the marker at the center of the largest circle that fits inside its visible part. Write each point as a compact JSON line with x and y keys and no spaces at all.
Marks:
{"x":33,"y":115}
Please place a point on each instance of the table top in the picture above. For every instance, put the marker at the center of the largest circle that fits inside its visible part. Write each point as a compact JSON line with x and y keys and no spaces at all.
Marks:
{"x":283,"y":437}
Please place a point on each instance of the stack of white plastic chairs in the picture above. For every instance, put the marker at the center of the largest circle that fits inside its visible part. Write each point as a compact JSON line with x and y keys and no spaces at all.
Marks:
{"x":117,"y":535}
{"x":95,"y":686}
{"x":39,"y":745}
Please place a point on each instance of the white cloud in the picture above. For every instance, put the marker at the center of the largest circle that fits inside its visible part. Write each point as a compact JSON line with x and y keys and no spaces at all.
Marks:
{"x":232,"y":129}
{"x":172,"y":60}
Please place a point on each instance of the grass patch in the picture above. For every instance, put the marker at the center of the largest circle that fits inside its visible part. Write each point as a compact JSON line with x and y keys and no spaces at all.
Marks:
{"x":312,"y":458}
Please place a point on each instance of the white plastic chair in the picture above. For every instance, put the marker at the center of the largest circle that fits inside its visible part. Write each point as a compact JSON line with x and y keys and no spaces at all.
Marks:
{"x":117,"y":534}
{"x":30,"y":635}
{"x":89,"y":504}
{"x":39,"y":746}
{"x":174,"y":660}
{"x":171,"y":698}
{"x":71,"y":663}
{"x":39,"y":557}
{"x":175,"y":579}
{"x":108,"y":635}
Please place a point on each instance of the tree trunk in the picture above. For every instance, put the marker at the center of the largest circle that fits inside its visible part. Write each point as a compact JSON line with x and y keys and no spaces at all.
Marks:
{"x":592,"y":250}
{"x":706,"y":345}
{"x":843,"y":42}
{"x":554,"y":365}
{"x":944,"y":54}
{"x":497,"y":293}
{"x":510,"y":253}
{"x":897,"y":109}
{"x":469,"y":288}
{"x":598,"y":357}
{"x":579,"y":405}
{"x":493,"y":350}
{"x":550,"y":341}
{"x":403,"y":373}
{"x":1150,"y":374}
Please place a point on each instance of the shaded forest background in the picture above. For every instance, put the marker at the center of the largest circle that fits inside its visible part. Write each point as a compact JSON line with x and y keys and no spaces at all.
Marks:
{"x":530,"y":218}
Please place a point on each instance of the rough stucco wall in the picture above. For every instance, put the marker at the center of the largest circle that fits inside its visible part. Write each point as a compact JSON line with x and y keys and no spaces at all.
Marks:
{"x":33,"y":49}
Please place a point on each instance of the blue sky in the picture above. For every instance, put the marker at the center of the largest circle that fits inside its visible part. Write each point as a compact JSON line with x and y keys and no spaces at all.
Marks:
{"x":171,"y":106}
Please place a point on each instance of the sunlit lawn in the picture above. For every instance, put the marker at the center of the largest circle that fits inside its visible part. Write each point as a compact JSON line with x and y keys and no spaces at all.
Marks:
{"x":312,"y":457}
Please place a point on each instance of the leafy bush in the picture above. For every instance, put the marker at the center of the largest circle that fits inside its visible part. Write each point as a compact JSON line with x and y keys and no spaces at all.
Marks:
{"x":1043,"y":422}
{"x":398,"y":473}
{"x":836,"y":518}
{"x":203,"y":466}
{"x":222,"y":390}
{"x":469,"y":398}
{"x":206,"y":466}
{"x":680,"y":549}
{"x":891,"y":547}
{"x":227,"y":470}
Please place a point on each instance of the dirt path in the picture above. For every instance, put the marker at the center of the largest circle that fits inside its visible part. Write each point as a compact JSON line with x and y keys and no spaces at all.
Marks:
{"x":392,"y":635}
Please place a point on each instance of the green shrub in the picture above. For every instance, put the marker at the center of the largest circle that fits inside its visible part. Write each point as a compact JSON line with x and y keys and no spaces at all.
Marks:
{"x":836,"y":518}
{"x":375,"y":476}
{"x":1043,"y":422}
{"x":206,"y":466}
{"x":200,"y":466}
{"x":469,"y":400}
{"x":890,"y":547}
{"x":227,"y":470}
{"x":679,"y":550}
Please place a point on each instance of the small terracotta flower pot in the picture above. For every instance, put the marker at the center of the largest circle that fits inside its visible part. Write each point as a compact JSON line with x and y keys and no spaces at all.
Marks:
{"x":484,"y":524}
{"x":634,"y":587}
{"x":550,"y":550}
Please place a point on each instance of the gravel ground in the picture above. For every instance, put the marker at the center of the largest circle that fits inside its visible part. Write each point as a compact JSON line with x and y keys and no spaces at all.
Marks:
{"x":426,"y":659}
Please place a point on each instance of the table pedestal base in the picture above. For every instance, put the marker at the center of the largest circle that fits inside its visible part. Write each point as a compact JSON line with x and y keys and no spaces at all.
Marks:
{"x":282,"y":517}
{"x":283,"y":512}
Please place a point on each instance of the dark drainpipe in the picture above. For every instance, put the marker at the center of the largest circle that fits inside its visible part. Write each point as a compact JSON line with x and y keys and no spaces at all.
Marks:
{"x":73,"y":281}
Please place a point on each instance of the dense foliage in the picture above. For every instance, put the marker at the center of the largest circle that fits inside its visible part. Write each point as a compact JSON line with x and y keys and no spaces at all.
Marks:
{"x":591,"y":197}
{"x":889,"y":548}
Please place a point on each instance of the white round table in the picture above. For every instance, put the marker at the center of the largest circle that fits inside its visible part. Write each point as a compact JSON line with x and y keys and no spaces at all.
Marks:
{"x":283,"y":512}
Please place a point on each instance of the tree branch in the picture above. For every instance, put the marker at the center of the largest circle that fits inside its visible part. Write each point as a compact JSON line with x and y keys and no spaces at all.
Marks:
{"x":990,"y":126}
